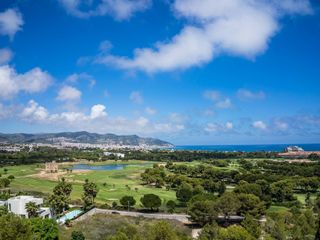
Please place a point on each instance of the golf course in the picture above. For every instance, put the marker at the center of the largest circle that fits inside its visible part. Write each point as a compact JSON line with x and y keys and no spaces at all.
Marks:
{"x":113,"y":184}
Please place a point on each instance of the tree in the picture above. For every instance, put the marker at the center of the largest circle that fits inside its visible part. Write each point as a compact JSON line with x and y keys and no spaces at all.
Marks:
{"x":171,"y":205}
{"x":32,"y":209}
{"x":3,"y":210}
{"x":161,"y":231}
{"x":151,"y":201}
{"x":77,"y":235}
{"x":118,"y":236}
{"x":203,"y":212}
{"x":90,"y":191}
{"x":209,"y":232}
{"x":282,"y":191}
{"x":44,"y":229}
{"x":14,"y":228}
{"x":317,"y":237}
{"x":221,"y":188}
{"x":4,"y":182}
{"x":234,"y":232}
{"x":252,"y":226}
{"x":127,"y":201}
{"x":228,"y":204}
{"x":60,"y":199}
{"x":11,"y":177}
{"x":184,"y":192}
{"x":250,"y":204}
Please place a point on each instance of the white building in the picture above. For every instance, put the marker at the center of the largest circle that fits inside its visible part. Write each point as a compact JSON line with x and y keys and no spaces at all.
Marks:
{"x":118,"y":155}
{"x":17,"y":205}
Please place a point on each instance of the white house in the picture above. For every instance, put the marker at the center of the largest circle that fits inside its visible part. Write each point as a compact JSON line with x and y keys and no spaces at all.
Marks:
{"x":118,"y":155}
{"x":17,"y":205}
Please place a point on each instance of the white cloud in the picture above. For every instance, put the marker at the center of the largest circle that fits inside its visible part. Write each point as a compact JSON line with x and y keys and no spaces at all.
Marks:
{"x":98,"y":111}
{"x":76,"y":77}
{"x":229,"y":125}
{"x":10,"y":22}
{"x":119,"y":9}
{"x":97,"y":120}
{"x":34,"y":112}
{"x":5,"y":55}
{"x":211,"y":127}
{"x":105,"y":46}
{"x":11,"y":83}
{"x":282,"y":126}
{"x":5,"y":111}
{"x":208,"y":112}
{"x":68,"y":93}
{"x":35,"y":80}
{"x":246,"y":94}
{"x":150,"y":111}
{"x":136,"y":97}
{"x":212,"y":95}
{"x":186,"y":49}
{"x":259,"y":125}
{"x":142,"y":121}
{"x":225,"y":103}
{"x":234,"y":27}
{"x":218,"y":127}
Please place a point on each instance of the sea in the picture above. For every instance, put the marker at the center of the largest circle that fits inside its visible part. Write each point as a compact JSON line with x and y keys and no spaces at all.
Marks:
{"x":248,"y":148}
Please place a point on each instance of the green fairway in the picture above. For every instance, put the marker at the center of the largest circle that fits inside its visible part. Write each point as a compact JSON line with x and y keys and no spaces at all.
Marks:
{"x":113,"y":184}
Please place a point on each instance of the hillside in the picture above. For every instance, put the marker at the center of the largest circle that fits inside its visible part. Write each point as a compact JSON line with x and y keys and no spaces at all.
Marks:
{"x":83,"y":137}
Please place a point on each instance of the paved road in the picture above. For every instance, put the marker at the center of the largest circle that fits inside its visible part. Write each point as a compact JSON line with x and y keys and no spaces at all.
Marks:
{"x":178,"y":217}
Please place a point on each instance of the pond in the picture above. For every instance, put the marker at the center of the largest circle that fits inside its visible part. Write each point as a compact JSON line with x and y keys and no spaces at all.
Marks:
{"x":103,"y":167}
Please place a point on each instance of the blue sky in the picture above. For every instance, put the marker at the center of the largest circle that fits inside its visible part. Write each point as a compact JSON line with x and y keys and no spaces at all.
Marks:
{"x":187,"y":71}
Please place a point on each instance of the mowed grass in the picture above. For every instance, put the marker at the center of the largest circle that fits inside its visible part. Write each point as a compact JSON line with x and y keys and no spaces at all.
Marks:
{"x":112,"y":184}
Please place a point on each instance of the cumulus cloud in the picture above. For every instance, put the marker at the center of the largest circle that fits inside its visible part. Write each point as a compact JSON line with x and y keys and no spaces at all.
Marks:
{"x":212,"y":95}
{"x":259,"y":125}
{"x":10,"y":22}
{"x":233,"y":27}
{"x":105,"y":46}
{"x":119,"y":9}
{"x":33,"y":81}
{"x":282,"y":126}
{"x":34,"y":112}
{"x":246,"y":94}
{"x":68,"y":93}
{"x":98,"y":111}
{"x":229,"y":125}
{"x":225,"y":103}
{"x":5,"y":55}
{"x":136,"y":97}
{"x":5,"y":111}
{"x":96,"y":120}
{"x":150,"y":111}
{"x":218,"y":127}
{"x":76,"y":77}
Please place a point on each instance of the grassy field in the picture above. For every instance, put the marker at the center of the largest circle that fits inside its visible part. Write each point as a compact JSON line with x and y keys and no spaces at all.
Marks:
{"x":113,"y":184}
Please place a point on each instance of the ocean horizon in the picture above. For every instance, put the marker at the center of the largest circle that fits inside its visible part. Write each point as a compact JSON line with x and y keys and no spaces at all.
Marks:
{"x":248,"y":148}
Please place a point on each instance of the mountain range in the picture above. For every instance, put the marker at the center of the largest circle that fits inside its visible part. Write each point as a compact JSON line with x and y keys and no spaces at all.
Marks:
{"x":83,"y":137}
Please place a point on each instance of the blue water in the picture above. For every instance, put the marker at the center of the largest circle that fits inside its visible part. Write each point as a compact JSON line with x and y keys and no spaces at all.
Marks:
{"x":104,"y":167}
{"x":248,"y":148}
{"x":69,"y":215}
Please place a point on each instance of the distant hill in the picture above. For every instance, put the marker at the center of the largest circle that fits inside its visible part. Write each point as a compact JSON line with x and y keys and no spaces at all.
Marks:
{"x":82,"y":137}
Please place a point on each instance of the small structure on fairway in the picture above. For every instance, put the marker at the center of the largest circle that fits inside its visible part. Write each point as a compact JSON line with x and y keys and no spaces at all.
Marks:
{"x":51,"y":167}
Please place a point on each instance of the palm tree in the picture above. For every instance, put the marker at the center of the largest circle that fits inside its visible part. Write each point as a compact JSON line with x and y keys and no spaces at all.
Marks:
{"x":32,"y":209}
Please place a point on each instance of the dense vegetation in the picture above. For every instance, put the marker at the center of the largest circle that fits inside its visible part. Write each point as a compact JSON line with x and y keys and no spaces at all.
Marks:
{"x":45,"y":154}
{"x":229,"y":195}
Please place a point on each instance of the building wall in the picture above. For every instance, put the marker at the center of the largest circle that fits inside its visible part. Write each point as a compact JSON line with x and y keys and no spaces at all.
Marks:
{"x":17,"y":205}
